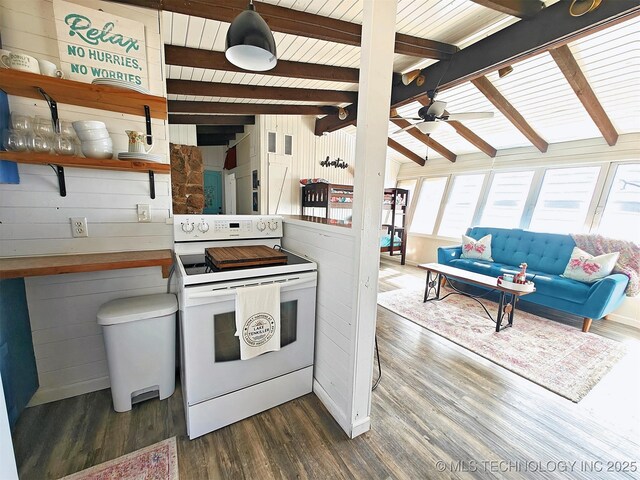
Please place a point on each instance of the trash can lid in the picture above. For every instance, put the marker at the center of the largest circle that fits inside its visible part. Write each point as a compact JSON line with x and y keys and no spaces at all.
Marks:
{"x":122,"y":310}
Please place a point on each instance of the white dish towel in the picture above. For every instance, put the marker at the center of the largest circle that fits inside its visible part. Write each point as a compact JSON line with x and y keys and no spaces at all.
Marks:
{"x":258,"y":319}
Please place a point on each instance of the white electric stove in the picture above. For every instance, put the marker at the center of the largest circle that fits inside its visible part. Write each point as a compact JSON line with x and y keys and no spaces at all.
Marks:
{"x":218,"y":387}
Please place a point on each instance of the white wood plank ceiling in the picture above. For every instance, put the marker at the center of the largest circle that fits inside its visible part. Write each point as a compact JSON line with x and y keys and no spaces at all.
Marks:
{"x":610,"y":59}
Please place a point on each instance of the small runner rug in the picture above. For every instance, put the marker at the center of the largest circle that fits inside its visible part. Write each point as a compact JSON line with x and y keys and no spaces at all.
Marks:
{"x":558,"y":357}
{"x":155,"y":462}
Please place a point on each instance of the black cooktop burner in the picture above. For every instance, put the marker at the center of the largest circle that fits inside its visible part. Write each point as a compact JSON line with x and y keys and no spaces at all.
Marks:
{"x":197,"y":264}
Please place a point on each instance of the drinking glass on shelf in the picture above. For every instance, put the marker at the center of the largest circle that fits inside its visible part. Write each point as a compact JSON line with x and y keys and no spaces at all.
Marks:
{"x":43,"y":126}
{"x":14,"y":140}
{"x":20,"y":122}
{"x":63,"y":145}
{"x":39,"y":143}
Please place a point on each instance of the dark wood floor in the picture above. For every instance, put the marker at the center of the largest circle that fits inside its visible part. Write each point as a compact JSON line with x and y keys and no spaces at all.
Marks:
{"x":436,"y":402}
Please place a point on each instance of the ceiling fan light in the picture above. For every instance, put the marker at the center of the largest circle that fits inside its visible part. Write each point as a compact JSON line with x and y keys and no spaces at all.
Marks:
{"x":343,"y":113}
{"x":250,"y":44}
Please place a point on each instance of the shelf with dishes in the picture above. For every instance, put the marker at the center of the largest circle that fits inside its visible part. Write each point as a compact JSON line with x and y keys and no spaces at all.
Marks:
{"x":101,"y":97}
{"x":58,"y":162}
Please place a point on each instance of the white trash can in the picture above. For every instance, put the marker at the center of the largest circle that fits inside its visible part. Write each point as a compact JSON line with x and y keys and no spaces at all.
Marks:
{"x":140,"y":339}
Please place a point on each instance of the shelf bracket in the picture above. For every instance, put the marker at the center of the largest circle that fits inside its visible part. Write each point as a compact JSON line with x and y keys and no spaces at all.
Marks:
{"x":61,"y":183}
{"x":53,"y":108}
{"x":152,"y":185}
{"x":147,"y":116}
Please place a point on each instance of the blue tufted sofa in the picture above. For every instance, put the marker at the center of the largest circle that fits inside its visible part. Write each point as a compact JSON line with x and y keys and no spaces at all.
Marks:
{"x":546,"y":255}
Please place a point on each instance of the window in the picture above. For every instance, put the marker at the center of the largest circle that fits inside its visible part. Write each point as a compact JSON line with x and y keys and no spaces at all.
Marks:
{"x":506,"y":199}
{"x":461,"y":205}
{"x":271,"y":142}
{"x":564,"y":199}
{"x":426,"y":210}
{"x":288,"y":145}
{"x":621,"y":215}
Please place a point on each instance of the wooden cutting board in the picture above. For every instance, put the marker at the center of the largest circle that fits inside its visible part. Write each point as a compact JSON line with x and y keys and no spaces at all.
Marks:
{"x":246,"y":256}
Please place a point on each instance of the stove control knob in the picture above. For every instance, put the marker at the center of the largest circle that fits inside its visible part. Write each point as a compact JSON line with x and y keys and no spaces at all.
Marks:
{"x":188,"y":226}
{"x":203,"y":226}
{"x":261,"y":225}
{"x":273,"y":225}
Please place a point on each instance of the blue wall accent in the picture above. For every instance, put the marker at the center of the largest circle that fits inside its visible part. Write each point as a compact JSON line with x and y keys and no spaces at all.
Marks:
{"x":8,"y":170}
{"x":17,"y":360}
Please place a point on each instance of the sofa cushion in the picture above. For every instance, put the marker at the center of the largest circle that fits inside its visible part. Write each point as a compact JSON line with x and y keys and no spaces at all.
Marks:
{"x":480,"y":249}
{"x":545,"y":252}
{"x":546,"y":284}
{"x":584,"y":267}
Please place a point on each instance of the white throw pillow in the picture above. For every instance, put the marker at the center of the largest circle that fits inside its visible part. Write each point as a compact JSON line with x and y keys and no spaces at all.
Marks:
{"x":584,"y":267}
{"x":478,"y":249}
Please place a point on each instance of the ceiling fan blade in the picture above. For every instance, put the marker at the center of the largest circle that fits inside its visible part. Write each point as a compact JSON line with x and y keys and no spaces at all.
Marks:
{"x":437,"y":108}
{"x":468,"y":116}
{"x":405,"y":128}
{"x":428,"y":127}
{"x":406,"y":118}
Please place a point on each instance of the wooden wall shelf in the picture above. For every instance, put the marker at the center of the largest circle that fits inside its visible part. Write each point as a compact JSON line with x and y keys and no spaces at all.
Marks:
{"x":101,"y":97}
{"x":82,"y":162}
{"x":18,"y":267}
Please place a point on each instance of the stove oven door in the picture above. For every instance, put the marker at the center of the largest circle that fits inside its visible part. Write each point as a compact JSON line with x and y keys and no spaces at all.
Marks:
{"x":211,"y":364}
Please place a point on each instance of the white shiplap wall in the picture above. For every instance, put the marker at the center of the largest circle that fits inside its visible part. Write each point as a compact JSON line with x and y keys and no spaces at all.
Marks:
{"x":308,"y":151}
{"x":183,"y":134}
{"x":332,"y":248}
{"x":35,"y":219}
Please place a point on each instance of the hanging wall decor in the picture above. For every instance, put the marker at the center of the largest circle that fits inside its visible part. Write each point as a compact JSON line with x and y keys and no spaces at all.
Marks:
{"x":337,"y":163}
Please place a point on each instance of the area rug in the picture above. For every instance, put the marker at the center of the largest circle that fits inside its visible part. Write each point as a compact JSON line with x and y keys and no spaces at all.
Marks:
{"x":557,"y":357}
{"x":155,"y":462}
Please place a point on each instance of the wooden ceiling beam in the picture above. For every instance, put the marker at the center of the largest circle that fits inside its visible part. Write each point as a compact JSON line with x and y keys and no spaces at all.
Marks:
{"x":515,"y":8}
{"x":296,"y":22}
{"x":401,"y":149}
{"x":211,"y":119}
{"x":219,"y":129}
{"x":504,"y":106}
{"x":580,"y":85}
{"x":197,"y":58}
{"x":180,"y":106}
{"x":210,"y":140}
{"x":426,"y":139}
{"x":550,"y":28}
{"x":233,"y":90}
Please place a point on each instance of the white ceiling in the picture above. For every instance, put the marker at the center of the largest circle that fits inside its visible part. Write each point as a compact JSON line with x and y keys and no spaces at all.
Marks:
{"x":610,"y":60}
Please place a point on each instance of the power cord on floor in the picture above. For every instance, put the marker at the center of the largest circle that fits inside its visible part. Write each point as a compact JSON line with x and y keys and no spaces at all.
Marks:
{"x":375,"y":385}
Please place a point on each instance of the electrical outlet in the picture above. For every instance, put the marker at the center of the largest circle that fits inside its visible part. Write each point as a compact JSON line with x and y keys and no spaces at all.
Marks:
{"x":144,"y":214}
{"x":79,"y":227}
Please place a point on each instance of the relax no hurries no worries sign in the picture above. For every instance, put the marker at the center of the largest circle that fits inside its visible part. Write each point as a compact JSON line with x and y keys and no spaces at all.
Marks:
{"x":96,"y":44}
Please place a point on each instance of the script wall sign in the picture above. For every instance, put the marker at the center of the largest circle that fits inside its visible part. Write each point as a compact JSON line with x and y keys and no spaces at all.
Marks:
{"x":95,"y":44}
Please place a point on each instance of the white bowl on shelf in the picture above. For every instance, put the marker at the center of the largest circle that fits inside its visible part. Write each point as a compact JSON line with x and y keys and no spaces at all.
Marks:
{"x":93,"y":134}
{"x":98,"y":148}
{"x":88,"y":125}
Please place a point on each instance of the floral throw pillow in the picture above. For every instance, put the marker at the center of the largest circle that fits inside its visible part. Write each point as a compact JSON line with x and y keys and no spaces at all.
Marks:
{"x":478,"y":249}
{"x":584,"y":267}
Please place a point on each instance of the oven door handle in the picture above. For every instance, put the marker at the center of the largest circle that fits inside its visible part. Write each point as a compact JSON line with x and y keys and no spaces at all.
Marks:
{"x":231,"y":291}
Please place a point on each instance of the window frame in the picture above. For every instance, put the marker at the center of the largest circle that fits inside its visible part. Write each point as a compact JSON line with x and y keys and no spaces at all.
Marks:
{"x":593,"y":218}
{"x":447,"y":194}
{"x":414,"y":207}
{"x":612,"y":170}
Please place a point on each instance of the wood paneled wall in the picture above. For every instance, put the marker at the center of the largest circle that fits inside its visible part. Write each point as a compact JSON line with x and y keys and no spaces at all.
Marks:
{"x":35,"y":219}
{"x":332,"y":248}
{"x":308,"y":151}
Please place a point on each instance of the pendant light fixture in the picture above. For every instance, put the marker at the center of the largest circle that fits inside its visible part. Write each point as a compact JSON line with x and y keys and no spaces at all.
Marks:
{"x":250,"y":44}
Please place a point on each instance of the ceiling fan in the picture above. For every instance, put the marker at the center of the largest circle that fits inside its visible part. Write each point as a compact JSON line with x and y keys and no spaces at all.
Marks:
{"x":434,"y":115}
